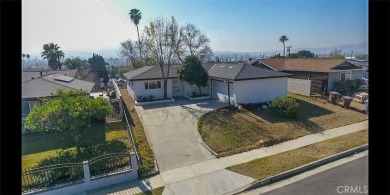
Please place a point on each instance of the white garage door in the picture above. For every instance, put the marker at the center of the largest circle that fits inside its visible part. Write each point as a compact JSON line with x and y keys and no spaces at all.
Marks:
{"x":220,"y":90}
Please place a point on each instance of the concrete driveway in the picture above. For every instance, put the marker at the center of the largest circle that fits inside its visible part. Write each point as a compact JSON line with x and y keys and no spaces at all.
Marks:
{"x":172,"y":131}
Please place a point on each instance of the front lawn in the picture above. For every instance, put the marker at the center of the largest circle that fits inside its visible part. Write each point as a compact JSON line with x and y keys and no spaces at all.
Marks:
{"x":96,"y":140}
{"x":230,"y":130}
{"x":275,"y":164}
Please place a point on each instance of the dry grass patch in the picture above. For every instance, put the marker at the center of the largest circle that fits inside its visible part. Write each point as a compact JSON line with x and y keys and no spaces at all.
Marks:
{"x":141,"y":141}
{"x":229,"y":131}
{"x":272,"y":165}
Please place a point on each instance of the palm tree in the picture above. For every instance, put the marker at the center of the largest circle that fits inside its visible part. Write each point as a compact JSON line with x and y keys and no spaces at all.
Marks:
{"x":135,"y":16}
{"x":60,"y":54}
{"x":52,"y":53}
{"x":283,"y":39}
{"x":28,"y":57}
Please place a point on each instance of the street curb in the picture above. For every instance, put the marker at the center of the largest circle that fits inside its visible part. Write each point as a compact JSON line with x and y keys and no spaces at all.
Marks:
{"x":206,"y":146}
{"x":298,"y":170}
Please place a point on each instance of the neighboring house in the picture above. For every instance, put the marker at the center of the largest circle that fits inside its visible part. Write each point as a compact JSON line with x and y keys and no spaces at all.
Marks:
{"x":40,"y":84}
{"x":237,"y":82}
{"x":322,"y":71}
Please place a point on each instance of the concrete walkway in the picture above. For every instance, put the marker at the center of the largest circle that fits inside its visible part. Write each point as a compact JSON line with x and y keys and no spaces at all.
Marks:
{"x":211,"y":177}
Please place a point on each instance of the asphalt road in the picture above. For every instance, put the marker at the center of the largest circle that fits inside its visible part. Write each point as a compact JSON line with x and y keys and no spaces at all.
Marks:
{"x":349,"y":178}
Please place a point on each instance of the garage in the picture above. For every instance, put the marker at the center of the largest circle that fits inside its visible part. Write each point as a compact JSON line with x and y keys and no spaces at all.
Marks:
{"x":220,"y":90}
{"x":247,"y":83}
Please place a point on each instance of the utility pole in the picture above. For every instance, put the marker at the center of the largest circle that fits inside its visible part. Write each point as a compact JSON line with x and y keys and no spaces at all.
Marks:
{"x":288,"y":50}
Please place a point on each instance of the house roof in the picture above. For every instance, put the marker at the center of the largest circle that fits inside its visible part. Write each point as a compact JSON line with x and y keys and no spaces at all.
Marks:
{"x":45,"y":85}
{"x":307,"y":64}
{"x":28,"y":75}
{"x":231,"y":71}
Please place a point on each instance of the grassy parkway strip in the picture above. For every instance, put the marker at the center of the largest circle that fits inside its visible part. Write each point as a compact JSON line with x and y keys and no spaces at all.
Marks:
{"x":272,"y":165}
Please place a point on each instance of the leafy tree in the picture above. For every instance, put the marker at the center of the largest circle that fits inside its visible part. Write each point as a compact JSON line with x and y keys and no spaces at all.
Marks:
{"x":53,"y":54}
{"x":97,"y":62}
{"x":283,"y":39}
{"x":294,"y":55}
{"x":362,"y":56}
{"x":305,"y":54}
{"x":67,"y":110}
{"x":336,"y":53}
{"x":193,"y":72}
{"x":74,"y":63}
{"x":135,"y":16}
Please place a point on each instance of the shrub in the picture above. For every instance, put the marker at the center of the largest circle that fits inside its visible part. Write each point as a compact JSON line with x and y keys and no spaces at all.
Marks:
{"x":140,"y":97}
{"x":284,"y":107}
{"x":151,"y":97}
{"x":193,"y":94}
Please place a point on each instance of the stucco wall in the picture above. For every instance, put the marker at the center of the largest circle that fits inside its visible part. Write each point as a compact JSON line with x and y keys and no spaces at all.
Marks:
{"x":299,"y":86}
{"x":336,"y":76}
{"x":138,"y":88}
{"x":188,"y":89}
{"x":260,"y":90}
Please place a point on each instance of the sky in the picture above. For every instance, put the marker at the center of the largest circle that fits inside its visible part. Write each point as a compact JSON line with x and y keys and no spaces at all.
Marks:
{"x":231,"y":25}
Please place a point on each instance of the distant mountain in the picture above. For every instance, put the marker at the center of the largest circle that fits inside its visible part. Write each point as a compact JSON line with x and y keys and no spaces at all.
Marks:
{"x":357,"y":48}
{"x":86,"y":53}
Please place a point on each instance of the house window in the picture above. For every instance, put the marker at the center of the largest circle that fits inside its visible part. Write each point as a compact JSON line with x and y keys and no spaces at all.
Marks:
{"x":153,"y":85}
{"x":25,"y":108}
{"x":345,"y":76}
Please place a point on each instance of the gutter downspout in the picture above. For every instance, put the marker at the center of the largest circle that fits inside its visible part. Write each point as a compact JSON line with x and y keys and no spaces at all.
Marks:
{"x":228,"y":91}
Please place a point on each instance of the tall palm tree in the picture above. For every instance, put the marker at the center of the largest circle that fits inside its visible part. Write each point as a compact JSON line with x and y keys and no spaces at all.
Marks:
{"x":52,"y":53}
{"x":135,"y":16}
{"x":283,"y":39}
{"x":28,"y":58}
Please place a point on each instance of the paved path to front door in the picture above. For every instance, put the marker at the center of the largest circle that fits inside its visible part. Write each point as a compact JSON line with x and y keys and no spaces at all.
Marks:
{"x":172,"y":131}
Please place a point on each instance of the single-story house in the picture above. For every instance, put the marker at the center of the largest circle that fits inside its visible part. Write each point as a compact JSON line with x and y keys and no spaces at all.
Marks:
{"x":40,"y":84}
{"x":238,"y":82}
{"x":325,"y":70}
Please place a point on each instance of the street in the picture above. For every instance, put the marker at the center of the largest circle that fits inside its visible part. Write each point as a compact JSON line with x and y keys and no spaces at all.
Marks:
{"x":349,"y":178}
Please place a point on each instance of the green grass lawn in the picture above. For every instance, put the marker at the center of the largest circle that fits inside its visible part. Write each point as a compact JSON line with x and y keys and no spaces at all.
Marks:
{"x":275,"y":164}
{"x":229,"y":131}
{"x":96,"y":140}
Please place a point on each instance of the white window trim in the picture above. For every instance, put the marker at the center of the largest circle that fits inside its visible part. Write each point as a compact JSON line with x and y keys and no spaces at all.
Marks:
{"x":156,"y":84}
{"x":345,"y":72}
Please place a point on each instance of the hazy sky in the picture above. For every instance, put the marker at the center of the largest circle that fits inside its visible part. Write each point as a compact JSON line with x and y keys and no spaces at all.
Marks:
{"x":231,"y":25}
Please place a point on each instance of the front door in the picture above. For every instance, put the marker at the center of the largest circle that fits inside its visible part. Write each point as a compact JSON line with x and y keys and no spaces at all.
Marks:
{"x":176,"y":88}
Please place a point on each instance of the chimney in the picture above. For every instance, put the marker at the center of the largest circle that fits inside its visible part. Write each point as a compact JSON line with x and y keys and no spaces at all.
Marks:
{"x":40,"y":73}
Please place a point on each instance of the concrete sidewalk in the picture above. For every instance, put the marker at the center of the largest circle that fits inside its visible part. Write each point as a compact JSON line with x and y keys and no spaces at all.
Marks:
{"x":197,"y":176}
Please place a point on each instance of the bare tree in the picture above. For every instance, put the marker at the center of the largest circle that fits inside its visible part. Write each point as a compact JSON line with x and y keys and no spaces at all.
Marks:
{"x":196,"y":42}
{"x":161,"y":41}
{"x":336,"y":53}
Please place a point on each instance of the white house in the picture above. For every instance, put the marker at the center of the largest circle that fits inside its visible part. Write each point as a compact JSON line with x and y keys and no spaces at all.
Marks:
{"x":238,"y":82}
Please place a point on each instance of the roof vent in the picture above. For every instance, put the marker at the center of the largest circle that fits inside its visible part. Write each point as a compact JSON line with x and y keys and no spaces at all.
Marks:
{"x":222,"y":66}
{"x":230,"y":66}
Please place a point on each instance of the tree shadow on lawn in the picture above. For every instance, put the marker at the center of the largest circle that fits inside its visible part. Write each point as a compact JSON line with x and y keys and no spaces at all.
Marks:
{"x":306,"y":111}
{"x":92,"y":135}
{"x":87,"y":153}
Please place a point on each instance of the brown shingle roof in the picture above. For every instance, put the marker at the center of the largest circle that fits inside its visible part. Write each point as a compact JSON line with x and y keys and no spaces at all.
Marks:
{"x":304,"y":64}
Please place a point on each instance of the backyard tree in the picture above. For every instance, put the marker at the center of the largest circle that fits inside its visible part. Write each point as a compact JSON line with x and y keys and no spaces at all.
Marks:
{"x":305,"y":54}
{"x":53,"y":54}
{"x":193,"y":72}
{"x":97,"y":63}
{"x":283,"y":39}
{"x":67,"y":111}
{"x":74,"y":63}
{"x":336,"y":53}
